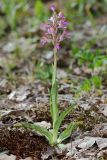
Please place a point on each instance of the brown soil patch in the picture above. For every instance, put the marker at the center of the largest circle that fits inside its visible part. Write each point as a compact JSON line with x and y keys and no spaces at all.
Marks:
{"x":22,"y":144}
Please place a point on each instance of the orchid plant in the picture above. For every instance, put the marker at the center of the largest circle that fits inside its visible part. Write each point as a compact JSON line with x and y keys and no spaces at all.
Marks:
{"x":55,"y":32}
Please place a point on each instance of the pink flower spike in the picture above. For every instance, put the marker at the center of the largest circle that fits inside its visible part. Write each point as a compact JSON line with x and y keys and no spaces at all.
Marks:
{"x":55,"y":31}
{"x":52,"y":8}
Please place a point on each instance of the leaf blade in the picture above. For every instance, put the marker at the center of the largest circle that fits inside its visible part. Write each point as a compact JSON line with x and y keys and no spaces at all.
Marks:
{"x":43,"y":131}
{"x":67,"y":132}
{"x":62,"y":116}
{"x":54,"y":98}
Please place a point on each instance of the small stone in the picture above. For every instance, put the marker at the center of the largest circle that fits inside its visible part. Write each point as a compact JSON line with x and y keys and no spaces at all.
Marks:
{"x":28,"y":158}
{"x":7,"y":157}
{"x":19,"y":95}
{"x":9,"y":47}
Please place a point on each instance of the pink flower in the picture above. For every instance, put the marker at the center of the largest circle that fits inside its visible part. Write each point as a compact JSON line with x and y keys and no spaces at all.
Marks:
{"x":52,"y":8}
{"x":60,"y":15}
{"x":64,"y":35}
{"x":50,"y":30}
{"x":44,"y":40}
{"x":57,"y":46}
{"x":63,"y":24}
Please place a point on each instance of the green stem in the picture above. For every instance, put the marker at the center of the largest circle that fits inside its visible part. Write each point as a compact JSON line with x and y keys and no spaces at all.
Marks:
{"x":55,"y":66}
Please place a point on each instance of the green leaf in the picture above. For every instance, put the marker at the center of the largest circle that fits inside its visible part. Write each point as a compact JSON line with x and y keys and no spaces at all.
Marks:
{"x":51,"y":110}
{"x":96,"y":80}
{"x":54,"y":104}
{"x":67,"y":132}
{"x":62,"y":116}
{"x":43,"y":71}
{"x":10,"y":11}
{"x":62,"y":146}
{"x":86,"y":85}
{"x":43,"y":131}
{"x":54,"y":100}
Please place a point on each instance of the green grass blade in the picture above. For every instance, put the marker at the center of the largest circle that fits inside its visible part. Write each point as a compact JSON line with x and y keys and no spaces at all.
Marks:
{"x":43,"y":131}
{"x":67,"y":132}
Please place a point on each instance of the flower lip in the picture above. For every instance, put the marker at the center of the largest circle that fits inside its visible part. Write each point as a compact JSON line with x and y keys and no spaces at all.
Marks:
{"x":57,"y":46}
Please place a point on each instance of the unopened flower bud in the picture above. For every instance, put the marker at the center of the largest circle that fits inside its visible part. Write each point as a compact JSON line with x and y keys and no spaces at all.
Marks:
{"x":52,"y":8}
